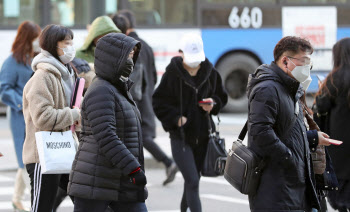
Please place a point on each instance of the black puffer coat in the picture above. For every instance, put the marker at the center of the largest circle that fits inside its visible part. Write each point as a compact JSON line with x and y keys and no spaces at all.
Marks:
{"x":277,"y":133}
{"x":111,"y":139}
{"x":166,"y":99}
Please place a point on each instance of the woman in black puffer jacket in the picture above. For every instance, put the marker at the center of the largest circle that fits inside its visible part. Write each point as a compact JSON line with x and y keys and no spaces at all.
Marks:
{"x":188,"y":80}
{"x":108,"y":168}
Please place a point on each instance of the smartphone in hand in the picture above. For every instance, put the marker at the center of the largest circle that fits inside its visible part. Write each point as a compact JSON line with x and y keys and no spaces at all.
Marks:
{"x":206,"y":102}
{"x":334,"y":142}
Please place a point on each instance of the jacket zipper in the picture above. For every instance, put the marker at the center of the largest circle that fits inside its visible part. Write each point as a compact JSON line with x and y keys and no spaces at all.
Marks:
{"x":196,"y":90}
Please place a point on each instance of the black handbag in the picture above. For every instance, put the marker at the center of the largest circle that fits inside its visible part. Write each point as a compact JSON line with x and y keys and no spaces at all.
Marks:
{"x":215,"y":158}
{"x":243,"y":167}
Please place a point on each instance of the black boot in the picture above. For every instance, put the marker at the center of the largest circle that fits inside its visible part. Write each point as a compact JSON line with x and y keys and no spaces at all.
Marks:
{"x":170,"y":173}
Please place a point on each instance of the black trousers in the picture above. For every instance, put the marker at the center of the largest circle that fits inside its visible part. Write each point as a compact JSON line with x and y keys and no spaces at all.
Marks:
{"x":43,"y":188}
{"x":190,"y":162}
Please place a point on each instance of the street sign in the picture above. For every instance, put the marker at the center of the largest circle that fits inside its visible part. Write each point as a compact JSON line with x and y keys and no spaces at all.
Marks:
{"x":318,"y":25}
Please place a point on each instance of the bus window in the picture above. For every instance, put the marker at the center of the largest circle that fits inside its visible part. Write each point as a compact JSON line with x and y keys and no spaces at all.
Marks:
{"x":75,"y":13}
{"x":240,"y":1}
{"x":14,"y":12}
{"x":164,"y":12}
{"x":315,"y":1}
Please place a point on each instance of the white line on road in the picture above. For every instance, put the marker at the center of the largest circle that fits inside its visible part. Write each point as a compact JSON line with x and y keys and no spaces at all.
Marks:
{"x":9,"y":190}
{"x":8,"y":205}
{"x":215,"y":180}
{"x":225,"y":199}
{"x":6,"y":179}
{"x":221,"y":181}
{"x":166,"y":211}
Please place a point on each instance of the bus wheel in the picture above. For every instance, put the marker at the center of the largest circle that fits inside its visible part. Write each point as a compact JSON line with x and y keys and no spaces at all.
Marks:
{"x":234,"y":70}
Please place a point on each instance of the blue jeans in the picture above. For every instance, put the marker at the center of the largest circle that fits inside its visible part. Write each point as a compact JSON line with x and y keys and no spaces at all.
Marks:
{"x":90,"y":205}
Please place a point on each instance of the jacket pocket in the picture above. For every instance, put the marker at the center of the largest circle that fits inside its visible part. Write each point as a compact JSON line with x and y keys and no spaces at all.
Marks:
{"x":293,"y":171}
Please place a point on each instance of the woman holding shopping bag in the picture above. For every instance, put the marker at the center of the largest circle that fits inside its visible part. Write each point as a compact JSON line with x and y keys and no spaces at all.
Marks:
{"x":189,"y":90}
{"x":46,"y":107}
{"x":15,"y":73}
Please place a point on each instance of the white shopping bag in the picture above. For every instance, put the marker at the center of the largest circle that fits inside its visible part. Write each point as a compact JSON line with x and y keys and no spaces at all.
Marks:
{"x":56,"y":151}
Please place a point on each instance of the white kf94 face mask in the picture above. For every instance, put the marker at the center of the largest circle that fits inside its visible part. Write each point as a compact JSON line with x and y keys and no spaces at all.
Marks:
{"x":306,"y":83}
{"x":69,"y":54}
{"x":301,"y":73}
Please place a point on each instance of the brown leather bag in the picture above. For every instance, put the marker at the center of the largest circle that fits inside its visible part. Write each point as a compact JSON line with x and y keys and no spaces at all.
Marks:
{"x":319,"y":156}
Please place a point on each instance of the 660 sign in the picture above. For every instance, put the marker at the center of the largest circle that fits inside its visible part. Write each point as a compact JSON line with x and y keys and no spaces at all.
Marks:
{"x":248,"y":18}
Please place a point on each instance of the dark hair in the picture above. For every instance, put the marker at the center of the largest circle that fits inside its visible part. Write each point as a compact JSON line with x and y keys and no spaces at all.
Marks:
{"x":53,"y":34}
{"x":121,"y":22}
{"x":22,"y":46}
{"x":339,"y":77}
{"x":291,"y":44}
{"x":130,"y":16}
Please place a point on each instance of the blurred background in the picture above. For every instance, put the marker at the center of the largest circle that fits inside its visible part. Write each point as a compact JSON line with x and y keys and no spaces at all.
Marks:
{"x":238,"y":36}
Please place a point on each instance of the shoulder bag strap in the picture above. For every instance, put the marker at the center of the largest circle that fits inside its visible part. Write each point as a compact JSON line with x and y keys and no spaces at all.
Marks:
{"x":243,"y":132}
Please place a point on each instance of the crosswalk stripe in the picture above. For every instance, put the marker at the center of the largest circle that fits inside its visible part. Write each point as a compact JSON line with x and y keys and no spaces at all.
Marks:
{"x":220,"y":180}
{"x":7,"y":205}
{"x":215,"y":180}
{"x":6,"y":179}
{"x":225,"y":199}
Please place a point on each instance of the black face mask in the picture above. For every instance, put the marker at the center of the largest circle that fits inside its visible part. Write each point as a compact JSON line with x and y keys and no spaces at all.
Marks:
{"x":127,"y":68}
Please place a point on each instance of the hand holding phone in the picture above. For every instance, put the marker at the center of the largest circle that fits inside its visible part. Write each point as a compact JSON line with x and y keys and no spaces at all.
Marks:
{"x":334,"y":142}
{"x":206,"y":102}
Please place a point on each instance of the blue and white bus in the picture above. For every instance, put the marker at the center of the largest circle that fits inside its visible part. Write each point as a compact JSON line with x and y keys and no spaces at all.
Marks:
{"x":238,"y":35}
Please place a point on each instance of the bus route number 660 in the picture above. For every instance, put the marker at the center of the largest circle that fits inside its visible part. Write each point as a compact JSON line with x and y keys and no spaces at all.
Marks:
{"x":248,"y":18}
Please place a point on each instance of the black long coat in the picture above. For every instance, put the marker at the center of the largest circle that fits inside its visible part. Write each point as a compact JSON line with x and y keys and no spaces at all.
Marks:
{"x":146,"y":60}
{"x":278,"y":134}
{"x":166,"y":99}
{"x":110,"y":146}
{"x":336,"y":104}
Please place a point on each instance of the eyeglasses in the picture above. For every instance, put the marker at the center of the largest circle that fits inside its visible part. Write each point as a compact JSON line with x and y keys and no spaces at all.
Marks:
{"x":304,"y":61}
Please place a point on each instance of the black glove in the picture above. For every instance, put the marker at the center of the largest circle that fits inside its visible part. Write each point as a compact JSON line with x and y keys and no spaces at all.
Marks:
{"x":138,"y":177}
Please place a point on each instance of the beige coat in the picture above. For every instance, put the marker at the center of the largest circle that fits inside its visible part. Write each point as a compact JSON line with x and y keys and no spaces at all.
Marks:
{"x":43,"y":100}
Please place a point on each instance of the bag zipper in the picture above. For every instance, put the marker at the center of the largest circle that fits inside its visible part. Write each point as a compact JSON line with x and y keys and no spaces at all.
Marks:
{"x":245,"y":163}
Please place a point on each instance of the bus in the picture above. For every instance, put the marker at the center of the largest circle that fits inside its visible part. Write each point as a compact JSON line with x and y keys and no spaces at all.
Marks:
{"x":238,"y":35}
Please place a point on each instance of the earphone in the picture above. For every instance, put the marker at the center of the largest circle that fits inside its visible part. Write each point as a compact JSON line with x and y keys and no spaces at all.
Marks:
{"x":285,"y":62}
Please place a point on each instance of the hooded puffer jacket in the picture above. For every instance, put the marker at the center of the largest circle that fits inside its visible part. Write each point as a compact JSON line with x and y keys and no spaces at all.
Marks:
{"x":278,"y":134}
{"x":111,"y":139}
{"x":100,"y":26}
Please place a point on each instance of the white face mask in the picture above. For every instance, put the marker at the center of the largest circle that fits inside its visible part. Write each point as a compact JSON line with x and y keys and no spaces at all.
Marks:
{"x":69,"y":54}
{"x":192,"y":64}
{"x":36,"y":47}
{"x":306,"y":83}
{"x":301,"y":73}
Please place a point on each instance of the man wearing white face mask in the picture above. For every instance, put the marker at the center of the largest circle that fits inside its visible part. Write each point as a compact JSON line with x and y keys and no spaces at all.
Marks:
{"x":277,"y":132}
